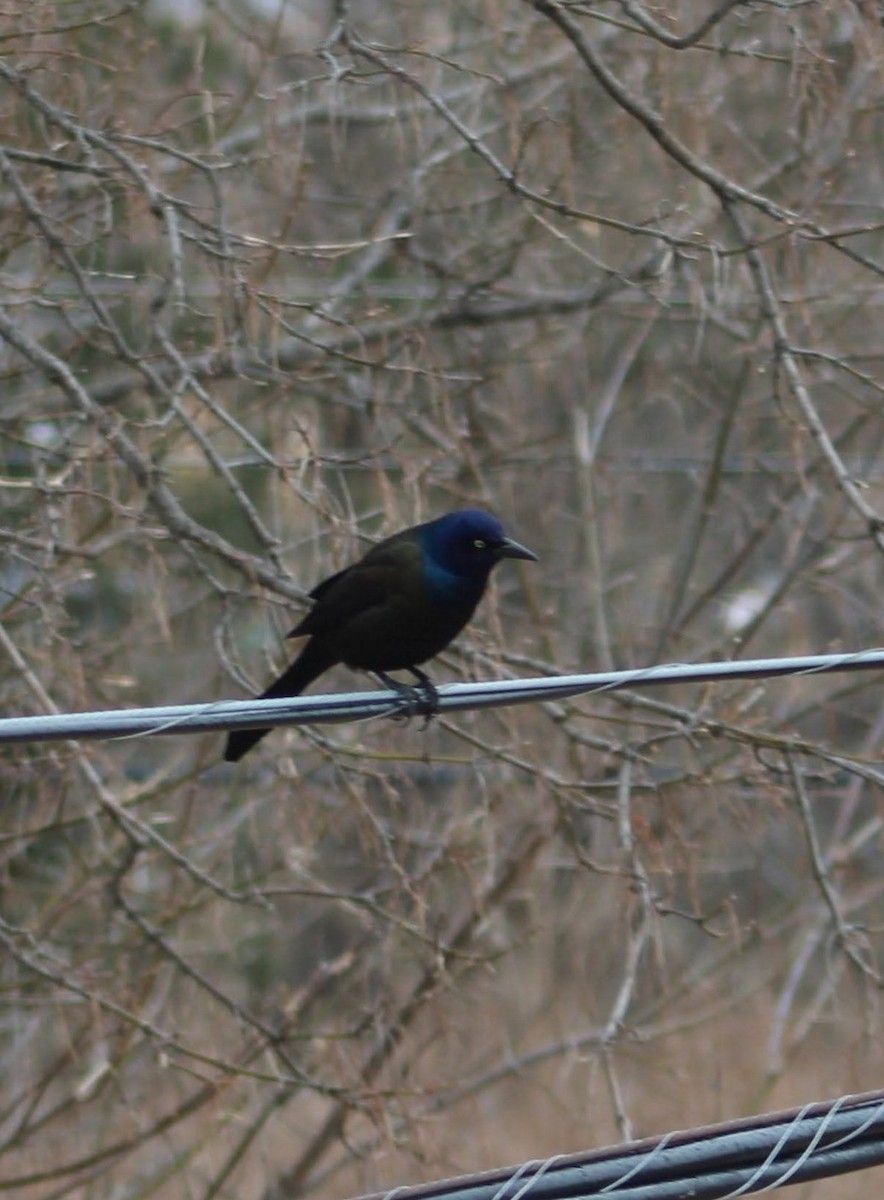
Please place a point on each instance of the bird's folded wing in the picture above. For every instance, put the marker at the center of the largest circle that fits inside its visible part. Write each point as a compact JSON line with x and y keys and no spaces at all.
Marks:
{"x":387,"y":571}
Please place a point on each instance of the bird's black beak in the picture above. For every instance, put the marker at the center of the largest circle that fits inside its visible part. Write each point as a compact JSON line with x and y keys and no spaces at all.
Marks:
{"x":510,"y":549}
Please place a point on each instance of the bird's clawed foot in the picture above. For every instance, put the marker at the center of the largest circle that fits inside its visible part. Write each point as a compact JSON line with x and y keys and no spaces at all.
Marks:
{"x":422,"y":701}
{"x":430,"y":703}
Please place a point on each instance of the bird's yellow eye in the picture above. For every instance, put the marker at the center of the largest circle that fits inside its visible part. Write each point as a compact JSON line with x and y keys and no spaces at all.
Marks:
{"x":480,"y":544}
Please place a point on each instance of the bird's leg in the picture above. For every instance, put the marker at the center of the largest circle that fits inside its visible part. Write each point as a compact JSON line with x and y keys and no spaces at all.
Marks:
{"x":411,"y":699}
{"x":425,"y":702}
{"x":431,"y":694}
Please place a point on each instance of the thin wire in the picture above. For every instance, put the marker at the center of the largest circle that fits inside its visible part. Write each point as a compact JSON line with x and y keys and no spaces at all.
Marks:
{"x":644,"y":1164}
{"x":357,"y":706}
{"x":749,"y":1185}
{"x":852,"y":1134}
{"x":542,"y":1168}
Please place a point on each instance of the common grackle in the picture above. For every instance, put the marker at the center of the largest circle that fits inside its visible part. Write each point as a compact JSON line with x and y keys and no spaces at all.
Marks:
{"x":398,"y":606}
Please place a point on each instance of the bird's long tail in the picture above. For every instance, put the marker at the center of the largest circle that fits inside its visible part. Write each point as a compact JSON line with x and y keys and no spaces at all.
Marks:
{"x":309,"y":664}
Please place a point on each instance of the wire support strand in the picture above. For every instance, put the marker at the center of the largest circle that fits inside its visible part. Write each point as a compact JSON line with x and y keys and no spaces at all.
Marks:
{"x":331,"y":708}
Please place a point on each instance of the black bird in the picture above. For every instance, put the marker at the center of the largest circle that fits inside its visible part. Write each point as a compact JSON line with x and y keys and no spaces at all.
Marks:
{"x":398,"y":606}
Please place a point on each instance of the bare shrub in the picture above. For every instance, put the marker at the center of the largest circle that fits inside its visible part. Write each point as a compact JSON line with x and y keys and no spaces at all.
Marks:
{"x":280,"y":279}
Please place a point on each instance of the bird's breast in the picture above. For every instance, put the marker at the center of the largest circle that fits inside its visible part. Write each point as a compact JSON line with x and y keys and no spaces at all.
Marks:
{"x":443,"y":587}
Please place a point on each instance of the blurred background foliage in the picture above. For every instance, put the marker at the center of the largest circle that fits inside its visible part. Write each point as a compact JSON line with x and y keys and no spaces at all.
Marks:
{"x":280,"y":278}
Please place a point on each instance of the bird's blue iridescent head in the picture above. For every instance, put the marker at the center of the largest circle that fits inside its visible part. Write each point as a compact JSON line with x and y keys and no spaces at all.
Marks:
{"x":462,"y":547}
